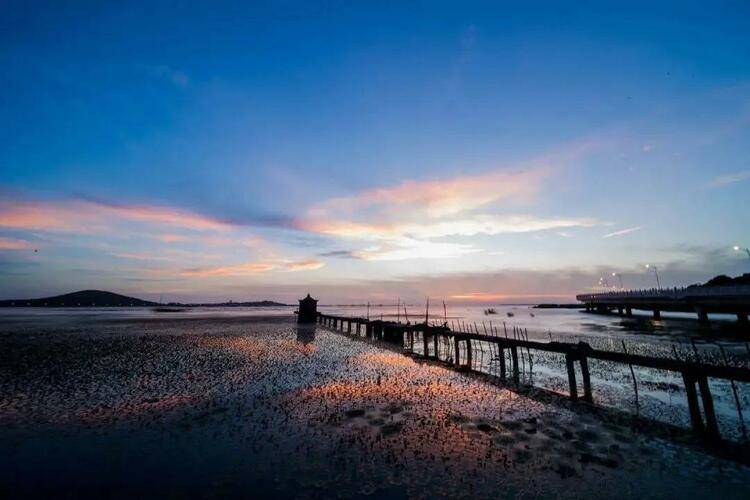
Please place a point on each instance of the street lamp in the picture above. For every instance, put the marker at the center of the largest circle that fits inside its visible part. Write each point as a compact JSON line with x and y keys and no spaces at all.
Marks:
{"x":656,"y":273}
{"x":619,"y":276}
{"x":737,"y":248}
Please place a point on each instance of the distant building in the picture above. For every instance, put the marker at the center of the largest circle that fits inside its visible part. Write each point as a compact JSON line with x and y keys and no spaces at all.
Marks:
{"x":308,"y":310}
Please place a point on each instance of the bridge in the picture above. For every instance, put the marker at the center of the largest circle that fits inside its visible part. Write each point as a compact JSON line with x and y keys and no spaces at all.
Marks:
{"x":700,"y":300}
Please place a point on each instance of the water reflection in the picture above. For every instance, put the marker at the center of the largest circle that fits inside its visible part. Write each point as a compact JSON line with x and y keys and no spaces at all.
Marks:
{"x":306,"y":333}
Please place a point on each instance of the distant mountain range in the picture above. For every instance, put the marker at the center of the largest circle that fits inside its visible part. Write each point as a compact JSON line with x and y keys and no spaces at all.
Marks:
{"x":99,"y":298}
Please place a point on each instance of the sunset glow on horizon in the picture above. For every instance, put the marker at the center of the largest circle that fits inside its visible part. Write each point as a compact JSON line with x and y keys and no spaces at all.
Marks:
{"x":472,"y":154}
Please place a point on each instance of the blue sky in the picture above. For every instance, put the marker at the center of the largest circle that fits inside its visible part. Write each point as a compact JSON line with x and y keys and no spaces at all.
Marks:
{"x":472,"y":151}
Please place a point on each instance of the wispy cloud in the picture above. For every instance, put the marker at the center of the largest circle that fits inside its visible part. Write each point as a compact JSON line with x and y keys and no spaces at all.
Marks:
{"x":404,"y":220}
{"x":436,"y":198}
{"x":172,"y":238}
{"x":623,"y":232}
{"x":725,"y":180}
{"x":14,"y":244}
{"x":253,"y":268}
{"x":407,"y":248}
{"x":469,"y":226}
{"x":305,"y":265}
{"x":87,"y":216}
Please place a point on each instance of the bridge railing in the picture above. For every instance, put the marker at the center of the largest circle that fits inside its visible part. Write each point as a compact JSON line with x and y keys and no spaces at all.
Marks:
{"x":676,"y":293}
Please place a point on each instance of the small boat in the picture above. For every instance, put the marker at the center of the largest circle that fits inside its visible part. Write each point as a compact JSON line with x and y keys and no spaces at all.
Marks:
{"x":510,"y":314}
{"x":489,"y":311}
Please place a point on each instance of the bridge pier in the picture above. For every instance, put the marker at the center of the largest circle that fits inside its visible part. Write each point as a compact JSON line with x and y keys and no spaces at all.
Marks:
{"x":657,"y":314}
{"x":628,"y":311}
{"x":742,"y":318}
{"x":620,"y":310}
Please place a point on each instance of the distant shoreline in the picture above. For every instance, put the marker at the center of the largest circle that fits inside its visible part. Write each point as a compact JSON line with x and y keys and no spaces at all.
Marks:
{"x":559,"y":306}
{"x":99,"y":298}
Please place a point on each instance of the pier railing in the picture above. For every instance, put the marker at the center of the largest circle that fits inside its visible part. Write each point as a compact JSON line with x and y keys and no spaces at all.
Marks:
{"x":695,"y":375}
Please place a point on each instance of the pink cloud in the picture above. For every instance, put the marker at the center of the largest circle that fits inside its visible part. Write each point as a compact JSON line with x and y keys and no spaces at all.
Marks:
{"x":404,"y":217}
{"x":438,"y":198}
{"x":305,"y":265}
{"x":87,"y":217}
{"x":252,"y":268}
{"x":14,"y":244}
{"x":172,"y":238}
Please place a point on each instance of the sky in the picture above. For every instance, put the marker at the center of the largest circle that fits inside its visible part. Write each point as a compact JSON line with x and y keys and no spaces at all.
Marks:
{"x":471,"y":152}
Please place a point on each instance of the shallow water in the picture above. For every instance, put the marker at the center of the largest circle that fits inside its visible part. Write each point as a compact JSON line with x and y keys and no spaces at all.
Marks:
{"x":256,"y":406}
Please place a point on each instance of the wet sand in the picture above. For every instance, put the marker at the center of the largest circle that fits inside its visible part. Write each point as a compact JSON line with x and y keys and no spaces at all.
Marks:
{"x":256,"y":407}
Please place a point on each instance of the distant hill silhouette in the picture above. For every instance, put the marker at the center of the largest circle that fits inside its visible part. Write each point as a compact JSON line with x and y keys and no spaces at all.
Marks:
{"x":724,"y":280}
{"x":84,"y":298}
{"x":99,"y":298}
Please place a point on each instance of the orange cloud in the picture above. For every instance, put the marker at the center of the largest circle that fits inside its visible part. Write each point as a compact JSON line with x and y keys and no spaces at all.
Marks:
{"x":438,"y":198}
{"x":246,"y":269}
{"x":252,"y":268}
{"x":168,"y":216}
{"x":14,"y":244}
{"x":305,"y":265}
{"x":86,"y":216}
{"x":403,"y":221}
{"x":172,"y":238}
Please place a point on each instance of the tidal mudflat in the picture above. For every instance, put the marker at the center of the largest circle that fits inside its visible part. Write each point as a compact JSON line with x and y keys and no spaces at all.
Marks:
{"x":210,"y":407}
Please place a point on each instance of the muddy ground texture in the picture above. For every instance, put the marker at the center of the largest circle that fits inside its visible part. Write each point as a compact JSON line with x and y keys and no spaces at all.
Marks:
{"x":258,"y":407}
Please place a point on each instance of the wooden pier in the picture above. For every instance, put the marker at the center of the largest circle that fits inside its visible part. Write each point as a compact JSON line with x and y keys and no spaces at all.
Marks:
{"x":459,"y":351}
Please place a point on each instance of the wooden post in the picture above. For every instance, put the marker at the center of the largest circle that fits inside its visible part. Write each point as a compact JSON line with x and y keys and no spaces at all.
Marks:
{"x":702,"y":315}
{"x":657,"y":314}
{"x":712,"y":427}
{"x":426,"y":344}
{"x":349,"y":327}
{"x":514,"y":359}
{"x":501,"y":350}
{"x":692,"y":400}
{"x":469,"y":354}
{"x":435,"y":342}
{"x":458,"y":351}
{"x":587,"y":396}
{"x":571,"y":376}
